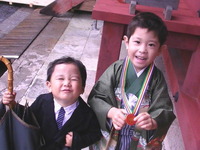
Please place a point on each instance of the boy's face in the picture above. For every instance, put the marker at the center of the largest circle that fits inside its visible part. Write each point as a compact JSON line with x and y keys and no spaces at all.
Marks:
{"x":143,"y":47}
{"x":66,"y":84}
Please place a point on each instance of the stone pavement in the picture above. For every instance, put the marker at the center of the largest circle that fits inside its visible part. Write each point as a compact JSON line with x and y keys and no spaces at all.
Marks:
{"x":80,"y":40}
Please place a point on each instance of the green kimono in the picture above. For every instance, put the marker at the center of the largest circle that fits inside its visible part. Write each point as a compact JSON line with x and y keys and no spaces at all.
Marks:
{"x":103,"y":97}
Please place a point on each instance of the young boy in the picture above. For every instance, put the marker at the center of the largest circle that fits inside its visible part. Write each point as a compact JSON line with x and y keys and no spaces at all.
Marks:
{"x":66,"y":79}
{"x":131,"y":98}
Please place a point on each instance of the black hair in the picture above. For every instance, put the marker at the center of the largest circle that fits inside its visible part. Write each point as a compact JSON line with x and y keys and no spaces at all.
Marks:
{"x":67,"y":60}
{"x":150,"y":21}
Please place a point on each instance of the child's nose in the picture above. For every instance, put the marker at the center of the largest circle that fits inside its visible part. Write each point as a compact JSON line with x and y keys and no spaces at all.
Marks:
{"x":143,"y":49}
{"x":67,"y":82}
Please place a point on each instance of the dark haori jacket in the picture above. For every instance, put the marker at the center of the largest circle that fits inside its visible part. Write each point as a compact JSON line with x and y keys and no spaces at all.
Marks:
{"x":83,"y":123}
{"x":102,"y":98}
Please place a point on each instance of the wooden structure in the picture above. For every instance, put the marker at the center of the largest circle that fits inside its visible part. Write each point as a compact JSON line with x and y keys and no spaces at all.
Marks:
{"x":29,"y":2}
{"x":87,"y":5}
{"x":35,"y":30}
{"x":15,"y":43}
{"x":59,"y":8}
{"x":168,"y":6}
{"x":156,"y":3}
{"x":181,"y":59}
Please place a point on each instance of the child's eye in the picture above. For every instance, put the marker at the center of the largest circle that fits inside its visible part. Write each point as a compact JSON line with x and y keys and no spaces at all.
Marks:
{"x":136,"y":42}
{"x":60,"y":78}
{"x":152,"y":45}
{"x":74,"y":78}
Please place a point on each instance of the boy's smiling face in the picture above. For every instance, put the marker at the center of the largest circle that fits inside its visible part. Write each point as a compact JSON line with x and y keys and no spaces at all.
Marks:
{"x":143,"y":47}
{"x":65,"y":84}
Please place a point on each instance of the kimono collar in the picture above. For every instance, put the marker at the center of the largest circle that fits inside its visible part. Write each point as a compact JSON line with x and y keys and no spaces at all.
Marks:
{"x":142,"y":91}
{"x":140,"y":72}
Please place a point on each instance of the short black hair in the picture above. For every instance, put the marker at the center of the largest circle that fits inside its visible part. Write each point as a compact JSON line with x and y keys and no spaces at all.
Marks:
{"x":150,"y":21}
{"x":67,"y":60}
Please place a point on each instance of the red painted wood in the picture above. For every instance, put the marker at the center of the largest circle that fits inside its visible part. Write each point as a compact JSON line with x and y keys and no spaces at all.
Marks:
{"x":180,"y":38}
{"x":194,"y":5}
{"x":183,"y":20}
{"x":187,"y":107}
{"x":121,"y":1}
{"x":170,"y":70}
{"x":110,"y":44}
{"x":192,"y":81}
{"x":188,"y":111}
{"x":60,"y":7}
{"x":76,"y":2}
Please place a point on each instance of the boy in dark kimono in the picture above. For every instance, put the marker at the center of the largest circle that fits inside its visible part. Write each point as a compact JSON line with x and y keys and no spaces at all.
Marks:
{"x":78,"y":126}
{"x":131,"y":98}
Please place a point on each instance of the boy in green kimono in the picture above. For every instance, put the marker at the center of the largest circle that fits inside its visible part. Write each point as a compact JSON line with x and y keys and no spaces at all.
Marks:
{"x":131,"y":98}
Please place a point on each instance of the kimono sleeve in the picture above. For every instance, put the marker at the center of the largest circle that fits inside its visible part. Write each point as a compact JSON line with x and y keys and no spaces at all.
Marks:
{"x":102,"y":96}
{"x":161,"y":108}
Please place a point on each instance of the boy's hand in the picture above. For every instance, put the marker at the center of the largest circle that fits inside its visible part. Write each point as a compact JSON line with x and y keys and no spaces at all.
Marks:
{"x":144,"y":121}
{"x":9,"y":98}
{"x":118,"y":117}
{"x":68,"y":139}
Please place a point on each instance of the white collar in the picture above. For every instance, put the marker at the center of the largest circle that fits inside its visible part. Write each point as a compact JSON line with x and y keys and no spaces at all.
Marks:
{"x":67,"y":109}
{"x":140,"y":72}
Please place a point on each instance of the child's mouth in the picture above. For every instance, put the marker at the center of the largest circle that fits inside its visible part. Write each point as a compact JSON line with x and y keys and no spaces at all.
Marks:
{"x":141,"y":58}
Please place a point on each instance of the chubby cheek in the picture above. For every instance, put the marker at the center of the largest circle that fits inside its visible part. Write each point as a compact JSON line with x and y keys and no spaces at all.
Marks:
{"x":52,"y":86}
{"x":51,"y":89}
{"x":131,"y":54}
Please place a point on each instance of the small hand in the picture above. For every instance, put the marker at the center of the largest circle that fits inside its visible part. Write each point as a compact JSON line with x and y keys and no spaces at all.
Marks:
{"x":145,"y":121}
{"x":118,"y":117}
{"x":9,"y":98}
{"x":69,"y":138}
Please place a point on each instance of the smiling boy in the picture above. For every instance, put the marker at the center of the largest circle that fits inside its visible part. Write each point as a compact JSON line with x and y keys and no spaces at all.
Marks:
{"x":66,"y":121}
{"x":131,"y":98}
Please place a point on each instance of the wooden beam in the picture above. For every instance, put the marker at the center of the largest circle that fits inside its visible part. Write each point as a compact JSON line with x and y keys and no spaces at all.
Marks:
{"x":15,"y":43}
{"x":31,"y":3}
{"x":188,"y":112}
{"x":175,"y":37}
{"x":111,"y":42}
{"x":191,"y":84}
{"x":59,"y":8}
